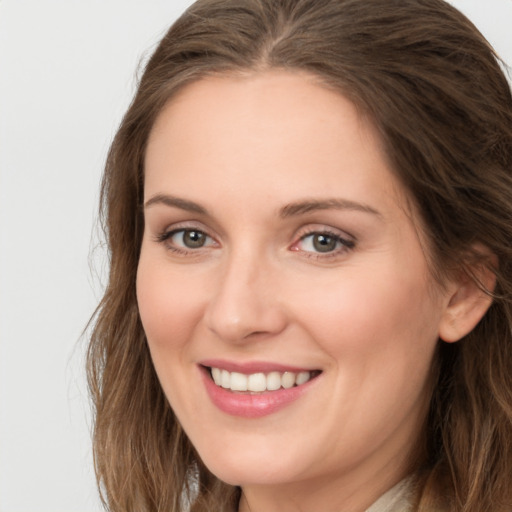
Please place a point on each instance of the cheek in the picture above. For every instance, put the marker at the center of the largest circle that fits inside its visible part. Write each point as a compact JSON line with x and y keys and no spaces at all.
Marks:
{"x":168,"y":308}
{"x":380,"y":331}
{"x":374,"y":314}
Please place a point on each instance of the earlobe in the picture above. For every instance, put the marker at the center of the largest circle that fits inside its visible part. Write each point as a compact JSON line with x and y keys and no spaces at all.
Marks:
{"x":468,"y":300}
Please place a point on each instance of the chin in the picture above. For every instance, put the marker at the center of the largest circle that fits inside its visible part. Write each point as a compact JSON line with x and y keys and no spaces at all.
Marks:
{"x":242,"y":470}
{"x":245,"y":476}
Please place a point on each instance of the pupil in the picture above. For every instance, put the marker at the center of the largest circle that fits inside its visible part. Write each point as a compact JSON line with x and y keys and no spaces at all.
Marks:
{"x":193,"y":239}
{"x":324,"y":243}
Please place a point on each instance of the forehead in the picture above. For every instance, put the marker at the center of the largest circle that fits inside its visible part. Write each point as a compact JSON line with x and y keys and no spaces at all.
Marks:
{"x":280,"y":128}
{"x":258,"y":98}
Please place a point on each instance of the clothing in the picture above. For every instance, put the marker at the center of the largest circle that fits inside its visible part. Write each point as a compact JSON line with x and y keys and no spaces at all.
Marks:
{"x":397,"y":499}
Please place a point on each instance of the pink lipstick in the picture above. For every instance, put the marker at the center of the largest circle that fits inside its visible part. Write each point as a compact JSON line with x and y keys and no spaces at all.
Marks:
{"x":255,"y":389}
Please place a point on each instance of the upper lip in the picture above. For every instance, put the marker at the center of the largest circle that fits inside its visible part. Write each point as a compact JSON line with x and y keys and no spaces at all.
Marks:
{"x":249,"y":367}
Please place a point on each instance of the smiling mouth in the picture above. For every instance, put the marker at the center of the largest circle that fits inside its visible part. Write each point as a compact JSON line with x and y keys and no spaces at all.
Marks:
{"x":259,"y":382}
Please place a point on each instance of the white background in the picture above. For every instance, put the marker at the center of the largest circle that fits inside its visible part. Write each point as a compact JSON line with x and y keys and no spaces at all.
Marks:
{"x":67,"y":73}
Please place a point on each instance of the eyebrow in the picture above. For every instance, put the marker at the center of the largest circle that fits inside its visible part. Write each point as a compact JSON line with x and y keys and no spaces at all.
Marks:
{"x":176,"y":202}
{"x":311,"y":205}
{"x":289,"y":210}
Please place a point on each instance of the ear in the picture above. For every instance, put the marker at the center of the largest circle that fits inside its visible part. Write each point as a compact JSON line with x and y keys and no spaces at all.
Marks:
{"x":468,"y":297}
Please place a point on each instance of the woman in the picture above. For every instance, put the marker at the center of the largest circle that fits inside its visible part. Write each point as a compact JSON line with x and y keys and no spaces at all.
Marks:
{"x":309,"y":212}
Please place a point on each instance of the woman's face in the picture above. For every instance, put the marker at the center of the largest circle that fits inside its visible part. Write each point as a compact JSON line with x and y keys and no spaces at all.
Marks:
{"x":279,"y":256}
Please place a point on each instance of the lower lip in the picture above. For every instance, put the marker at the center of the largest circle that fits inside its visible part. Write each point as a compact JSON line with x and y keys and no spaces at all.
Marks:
{"x":248,"y":405}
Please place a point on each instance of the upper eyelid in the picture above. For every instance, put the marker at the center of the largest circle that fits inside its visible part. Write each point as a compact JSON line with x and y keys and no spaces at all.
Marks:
{"x":325,"y":229}
{"x":347,"y":242}
{"x":328,"y":233}
{"x":190,"y":225}
{"x":168,"y":232}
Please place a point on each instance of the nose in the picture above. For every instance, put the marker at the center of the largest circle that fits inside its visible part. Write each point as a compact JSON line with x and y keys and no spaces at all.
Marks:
{"x":245,"y":304}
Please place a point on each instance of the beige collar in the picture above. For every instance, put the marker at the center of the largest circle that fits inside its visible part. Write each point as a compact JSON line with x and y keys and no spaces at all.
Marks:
{"x":397,"y":499}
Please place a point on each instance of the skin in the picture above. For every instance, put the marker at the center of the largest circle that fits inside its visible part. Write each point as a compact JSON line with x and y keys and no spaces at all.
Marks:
{"x":367,"y":313}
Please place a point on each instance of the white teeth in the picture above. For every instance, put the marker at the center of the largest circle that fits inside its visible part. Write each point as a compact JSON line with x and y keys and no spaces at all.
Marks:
{"x":216,"y":374}
{"x":288,"y":380}
{"x":225,"y":379}
{"x":258,"y":382}
{"x":238,"y":382}
{"x":302,"y":378}
{"x":273,"y":381}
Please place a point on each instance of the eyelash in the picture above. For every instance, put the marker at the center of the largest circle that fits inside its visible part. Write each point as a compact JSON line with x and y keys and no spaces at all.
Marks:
{"x":166,"y":236}
{"x":345,"y":244}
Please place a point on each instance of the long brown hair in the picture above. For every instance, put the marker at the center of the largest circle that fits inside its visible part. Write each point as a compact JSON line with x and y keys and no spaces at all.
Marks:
{"x":433,"y":87}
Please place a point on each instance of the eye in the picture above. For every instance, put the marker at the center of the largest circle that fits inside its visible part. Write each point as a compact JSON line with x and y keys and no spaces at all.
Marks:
{"x":320,"y":242}
{"x":186,"y":239}
{"x":190,"y":238}
{"x":323,"y":242}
